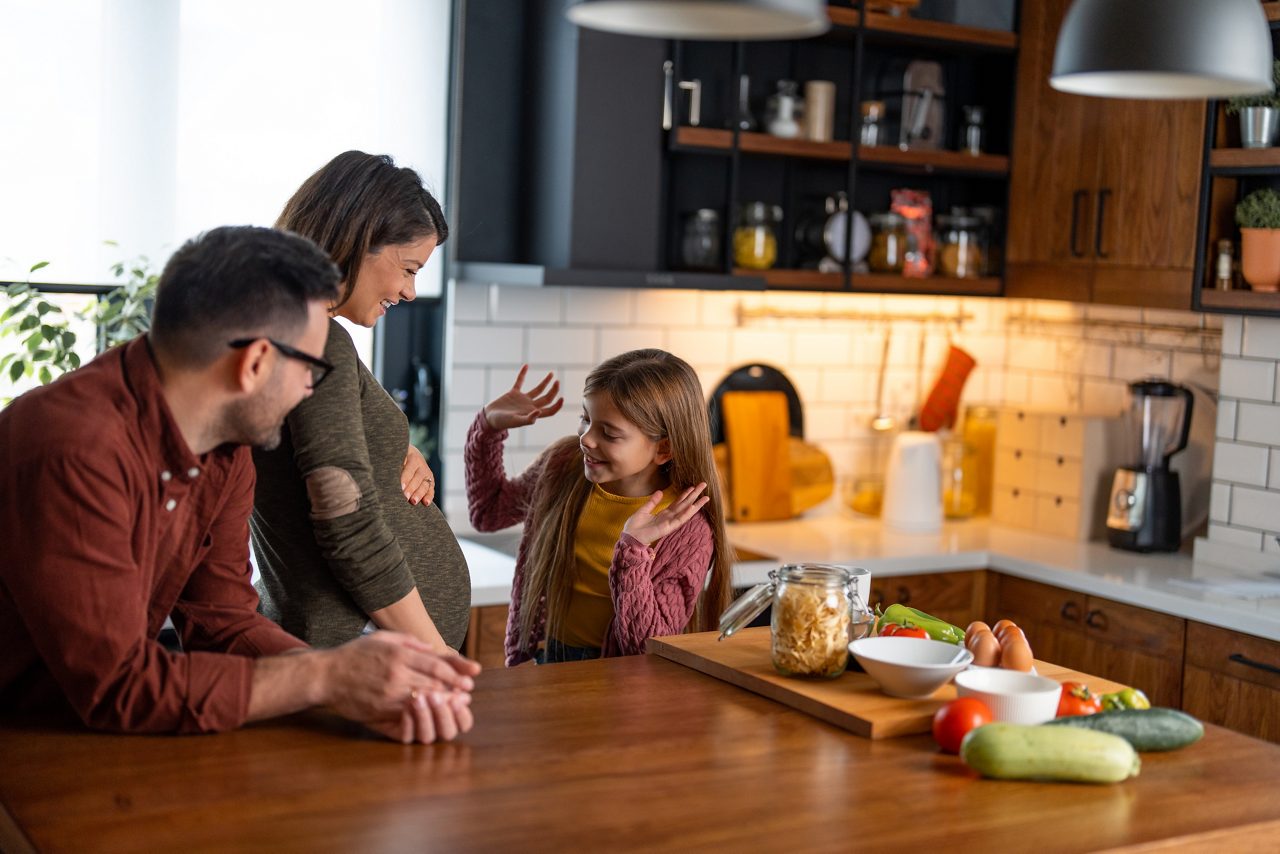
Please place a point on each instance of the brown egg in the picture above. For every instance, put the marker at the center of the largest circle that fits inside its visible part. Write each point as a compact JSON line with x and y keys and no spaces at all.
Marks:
{"x":974,"y":626}
{"x":985,"y":649}
{"x":1009,"y":630}
{"x":1015,"y":654}
{"x":998,"y":628}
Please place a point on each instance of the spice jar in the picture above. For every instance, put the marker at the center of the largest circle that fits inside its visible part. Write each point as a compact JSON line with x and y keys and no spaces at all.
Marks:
{"x":818,"y":610}
{"x":700,"y":245}
{"x":888,"y":243}
{"x":755,"y":243}
{"x":962,"y":252}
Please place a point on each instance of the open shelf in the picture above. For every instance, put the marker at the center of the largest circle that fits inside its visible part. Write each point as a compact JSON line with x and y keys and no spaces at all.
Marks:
{"x":1237,"y":300}
{"x":889,"y":283}
{"x":883,"y":156}
{"x":1228,"y":160}
{"x":919,"y":30}
{"x":812,"y":279}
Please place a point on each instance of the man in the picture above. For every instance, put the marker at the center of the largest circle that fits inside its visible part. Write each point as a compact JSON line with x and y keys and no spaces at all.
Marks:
{"x":127,"y":487}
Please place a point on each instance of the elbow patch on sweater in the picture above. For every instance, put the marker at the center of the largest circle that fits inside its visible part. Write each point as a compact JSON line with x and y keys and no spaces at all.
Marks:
{"x":333,"y":493}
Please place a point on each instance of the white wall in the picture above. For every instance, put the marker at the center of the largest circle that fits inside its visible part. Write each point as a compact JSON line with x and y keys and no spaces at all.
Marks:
{"x":1045,"y":355}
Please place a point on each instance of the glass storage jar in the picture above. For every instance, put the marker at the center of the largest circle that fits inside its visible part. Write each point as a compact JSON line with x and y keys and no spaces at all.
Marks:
{"x":888,"y":242}
{"x":962,"y":250}
{"x":959,"y":479}
{"x":700,"y":245}
{"x":755,"y":242}
{"x":818,"y":610}
{"x":980,"y":437}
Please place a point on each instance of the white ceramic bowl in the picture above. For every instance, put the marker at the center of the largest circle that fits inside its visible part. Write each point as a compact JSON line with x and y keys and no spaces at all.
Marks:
{"x":910,"y":667}
{"x":1012,"y":696}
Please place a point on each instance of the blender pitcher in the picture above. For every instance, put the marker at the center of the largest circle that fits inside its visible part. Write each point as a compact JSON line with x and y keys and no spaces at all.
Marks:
{"x":1145,"y":510}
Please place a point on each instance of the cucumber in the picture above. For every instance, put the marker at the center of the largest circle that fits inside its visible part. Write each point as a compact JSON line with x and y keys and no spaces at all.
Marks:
{"x":1017,"y":752}
{"x":1145,"y":729}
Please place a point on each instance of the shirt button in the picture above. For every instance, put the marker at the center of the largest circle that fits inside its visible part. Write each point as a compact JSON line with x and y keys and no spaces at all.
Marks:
{"x":170,"y":504}
{"x":165,"y":476}
{"x":193,"y":472}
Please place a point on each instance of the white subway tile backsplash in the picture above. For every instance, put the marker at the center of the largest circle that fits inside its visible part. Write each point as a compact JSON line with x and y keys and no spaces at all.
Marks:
{"x":1096,"y":358}
{"x":524,"y":304}
{"x":471,"y":302}
{"x":616,"y":340}
{"x":544,"y":431}
{"x":1227,"y":419}
{"x":1273,"y":475}
{"x":1261,"y":338}
{"x":851,"y":385}
{"x":1235,"y":537}
{"x":719,"y":308}
{"x":572,"y":381}
{"x":488,"y":345}
{"x":1220,"y":502}
{"x":562,"y":345}
{"x":1193,"y":366}
{"x":1134,"y":363}
{"x":700,"y":346}
{"x":1165,"y":317}
{"x":825,"y":423}
{"x":826,"y":349}
{"x":1017,"y":387}
{"x":666,"y":307}
{"x":1258,"y":422}
{"x":808,"y":383}
{"x":601,"y":306}
{"x":467,"y":387}
{"x":1247,"y":379}
{"x":1034,"y":353}
{"x":1255,"y":508}
{"x":1240,"y":463}
{"x":773,"y":348}
{"x":1103,"y":397}
{"x":456,"y":424}
{"x":1232,"y":335}
{"x":1055,"y":391}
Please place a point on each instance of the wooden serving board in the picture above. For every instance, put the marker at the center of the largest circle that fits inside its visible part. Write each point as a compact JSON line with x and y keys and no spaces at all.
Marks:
{"x":852,"y":701}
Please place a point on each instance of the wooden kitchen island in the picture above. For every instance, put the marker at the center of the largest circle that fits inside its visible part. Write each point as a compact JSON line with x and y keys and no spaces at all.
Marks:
{"x":636,"y":753}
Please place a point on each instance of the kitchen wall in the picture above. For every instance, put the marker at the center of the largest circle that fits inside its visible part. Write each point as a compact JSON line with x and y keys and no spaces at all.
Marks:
{"x":1046,"y":355}
{"x":1244,"y":511}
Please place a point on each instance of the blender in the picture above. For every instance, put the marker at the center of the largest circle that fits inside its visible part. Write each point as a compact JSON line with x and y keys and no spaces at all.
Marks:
{"x":1145,"y":510}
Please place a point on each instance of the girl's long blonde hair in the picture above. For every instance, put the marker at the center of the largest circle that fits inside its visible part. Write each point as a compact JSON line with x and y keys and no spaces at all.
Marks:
{"x":661,"y":395}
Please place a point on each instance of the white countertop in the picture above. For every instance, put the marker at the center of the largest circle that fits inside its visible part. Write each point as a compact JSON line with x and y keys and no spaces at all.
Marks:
{"x":833,"y":534}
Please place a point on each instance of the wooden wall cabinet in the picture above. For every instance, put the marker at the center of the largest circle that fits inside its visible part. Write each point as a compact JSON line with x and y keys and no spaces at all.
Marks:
{"x":1095,"y":635}
{"x":957,"y":597}
{"x":1233,"y":680}
{"x":1104,"y":193}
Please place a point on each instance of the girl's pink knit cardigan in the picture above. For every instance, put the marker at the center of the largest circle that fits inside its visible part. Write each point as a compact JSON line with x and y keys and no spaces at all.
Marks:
{"x":654,"y":588}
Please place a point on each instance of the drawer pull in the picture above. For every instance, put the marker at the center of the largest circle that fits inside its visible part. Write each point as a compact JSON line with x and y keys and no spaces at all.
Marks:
{"x":1062,"y":421}
{"x":1249,"y":662}
{"x":1096,"y":620}
{"x":1061,"y":462}
{"x":904,"y":595}
{"x":1017,"y":455}
{"x":1070,"y":611}
{"x":1016,"y":492}
{"x":1057,"y":501}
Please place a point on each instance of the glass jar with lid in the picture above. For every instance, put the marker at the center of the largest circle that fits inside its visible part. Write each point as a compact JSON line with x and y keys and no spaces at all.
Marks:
{"x":959,"y":479}
{"x":888,"y":242}
{"x":755,"y":241}
{"x":962,"y":246}
{"x":700,"y":244}
{"x":818,"y":610}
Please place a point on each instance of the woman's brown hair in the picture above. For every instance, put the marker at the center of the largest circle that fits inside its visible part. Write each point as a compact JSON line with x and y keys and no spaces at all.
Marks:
{"x":358,"y":203}
{"x":661,"y":395}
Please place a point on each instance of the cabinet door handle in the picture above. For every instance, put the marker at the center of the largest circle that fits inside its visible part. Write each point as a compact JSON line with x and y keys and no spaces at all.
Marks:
{"x":904,"y":595}
{"x":1097,"y":229}
{"x":1096,"y":620}
{"x":1070,"y":611}
{"x":1249,"y":662}
{"x":1076,"y":198}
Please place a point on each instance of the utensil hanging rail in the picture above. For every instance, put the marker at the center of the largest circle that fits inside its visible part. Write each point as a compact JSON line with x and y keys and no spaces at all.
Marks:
{"x":756,"y":312}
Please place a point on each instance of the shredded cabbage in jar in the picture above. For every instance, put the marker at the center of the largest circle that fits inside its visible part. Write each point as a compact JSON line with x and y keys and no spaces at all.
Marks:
{"x":810,"y":631}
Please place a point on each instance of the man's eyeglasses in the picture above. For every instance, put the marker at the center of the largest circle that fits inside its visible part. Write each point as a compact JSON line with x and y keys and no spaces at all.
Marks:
{"x":319,"y":367}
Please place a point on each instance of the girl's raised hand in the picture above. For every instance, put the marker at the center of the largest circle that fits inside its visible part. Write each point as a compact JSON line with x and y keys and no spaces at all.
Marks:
{"x":518,"y":408}
{"x":649,"y":527}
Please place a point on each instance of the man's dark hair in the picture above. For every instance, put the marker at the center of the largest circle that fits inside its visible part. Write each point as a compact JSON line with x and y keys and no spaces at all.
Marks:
{"x":237,"y":282}
{"x":358,"y":203}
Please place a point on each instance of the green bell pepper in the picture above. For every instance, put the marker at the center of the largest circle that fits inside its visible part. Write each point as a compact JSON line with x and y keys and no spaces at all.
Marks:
{"x":936,"y":629}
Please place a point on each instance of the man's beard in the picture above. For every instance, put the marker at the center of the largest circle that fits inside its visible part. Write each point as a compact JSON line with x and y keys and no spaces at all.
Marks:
{"x":253,"y":421}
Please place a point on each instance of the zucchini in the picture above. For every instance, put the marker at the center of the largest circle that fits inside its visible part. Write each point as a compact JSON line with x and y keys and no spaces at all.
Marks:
{"x":1145,"y":729}
{"x":1017,"y":752}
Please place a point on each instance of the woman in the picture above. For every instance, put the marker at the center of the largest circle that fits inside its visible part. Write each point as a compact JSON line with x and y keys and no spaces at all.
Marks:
{"x":343,"y":527}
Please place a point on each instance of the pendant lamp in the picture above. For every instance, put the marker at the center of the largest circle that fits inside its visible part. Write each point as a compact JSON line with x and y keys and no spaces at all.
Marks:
{"x":1163,"y":49}
{"x":714,"y":20}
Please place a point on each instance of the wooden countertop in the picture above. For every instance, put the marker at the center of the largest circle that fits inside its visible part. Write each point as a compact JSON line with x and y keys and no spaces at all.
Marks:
{"x":617,"y":754}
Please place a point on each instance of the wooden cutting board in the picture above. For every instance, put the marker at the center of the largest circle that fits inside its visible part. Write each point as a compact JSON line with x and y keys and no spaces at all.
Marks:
{"x":852,"y":701}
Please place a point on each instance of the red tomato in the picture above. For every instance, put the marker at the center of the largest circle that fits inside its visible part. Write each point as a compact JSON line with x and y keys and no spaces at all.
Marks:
{"x":952,"y":722}
{"x":1077,"y":699}
{"x":894,"y":630}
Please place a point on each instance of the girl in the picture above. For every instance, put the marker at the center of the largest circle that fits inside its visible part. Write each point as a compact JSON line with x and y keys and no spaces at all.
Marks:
{"x":618,"y":538}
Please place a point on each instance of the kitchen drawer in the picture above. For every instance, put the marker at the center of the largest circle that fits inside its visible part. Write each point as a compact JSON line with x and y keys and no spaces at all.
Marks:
{"x":1234,"y":654}
{"x":1062,"y":434}
{"x":1136,"y":630}
{"x":1020,"y":429}
{"x":1040,"y":602}
{"x":1233,"y":680}
{"x":1057,"y":474}
{"x":956,"y":597}
{"x":1057,"y":516}
{"x":1013,"y":506}
{"x":1016,"y":467}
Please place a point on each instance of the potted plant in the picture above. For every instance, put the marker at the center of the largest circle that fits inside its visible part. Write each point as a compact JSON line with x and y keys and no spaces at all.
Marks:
{"x":1258,"y":215}
{"x":1259,"y":114}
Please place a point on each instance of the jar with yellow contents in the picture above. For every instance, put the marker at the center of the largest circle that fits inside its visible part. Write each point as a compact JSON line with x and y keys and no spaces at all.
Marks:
{"x":755,"y":240}
{"x":962,"y":246}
